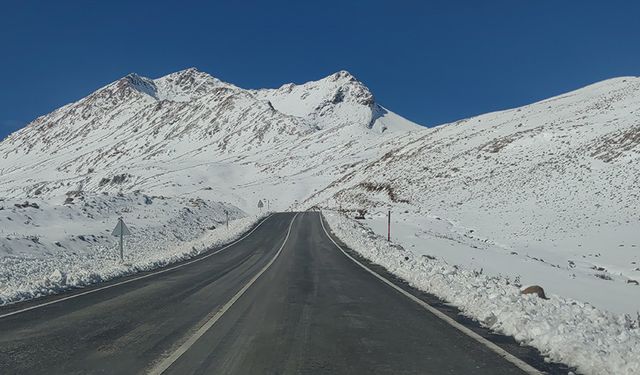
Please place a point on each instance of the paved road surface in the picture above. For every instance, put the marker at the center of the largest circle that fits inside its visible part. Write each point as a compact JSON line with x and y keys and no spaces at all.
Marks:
{"x":311,"y":311}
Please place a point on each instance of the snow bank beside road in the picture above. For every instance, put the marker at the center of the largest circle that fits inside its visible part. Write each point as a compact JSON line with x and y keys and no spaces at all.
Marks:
{"x":575,"y":333}
{"x":601,"y":279}
{"x":164,"y":232}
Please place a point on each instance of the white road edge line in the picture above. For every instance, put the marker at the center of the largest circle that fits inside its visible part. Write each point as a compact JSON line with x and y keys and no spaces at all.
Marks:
{"x":136,"y":278}
{"x":493,"y":347}
{"x":167,"y":362}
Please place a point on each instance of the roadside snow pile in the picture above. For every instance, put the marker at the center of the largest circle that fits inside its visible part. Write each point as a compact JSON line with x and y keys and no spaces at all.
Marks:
{"x":568,"y":331}
{"x":587,"y":276}
{"x":164,"y":231}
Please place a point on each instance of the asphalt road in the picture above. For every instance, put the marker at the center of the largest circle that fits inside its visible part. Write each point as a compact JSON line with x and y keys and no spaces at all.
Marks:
{"x":261,"y":306}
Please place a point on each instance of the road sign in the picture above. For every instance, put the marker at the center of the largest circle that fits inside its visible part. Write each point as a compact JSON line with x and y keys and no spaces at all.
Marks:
{"x":260,"y":204}
{"x":121,"y":230}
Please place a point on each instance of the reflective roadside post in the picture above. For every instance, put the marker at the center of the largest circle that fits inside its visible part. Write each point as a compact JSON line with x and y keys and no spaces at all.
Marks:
{"x":389,"y":226}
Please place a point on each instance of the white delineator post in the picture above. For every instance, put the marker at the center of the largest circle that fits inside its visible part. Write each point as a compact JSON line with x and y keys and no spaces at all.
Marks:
{"x":389,"y":226}
{"x":121,"y":242}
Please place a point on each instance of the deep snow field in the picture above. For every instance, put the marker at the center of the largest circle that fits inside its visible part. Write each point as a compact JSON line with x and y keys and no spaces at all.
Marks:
{"x":602,"y":275}
{"x":50,"y":246}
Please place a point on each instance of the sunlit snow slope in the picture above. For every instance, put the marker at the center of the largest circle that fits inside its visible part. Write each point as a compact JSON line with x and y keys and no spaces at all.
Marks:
{"x":548,"y":193}
{"x":188,"y":133}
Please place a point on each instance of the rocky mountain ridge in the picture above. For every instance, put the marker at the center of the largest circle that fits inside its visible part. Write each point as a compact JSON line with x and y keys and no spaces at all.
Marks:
{"x":190,"y":119}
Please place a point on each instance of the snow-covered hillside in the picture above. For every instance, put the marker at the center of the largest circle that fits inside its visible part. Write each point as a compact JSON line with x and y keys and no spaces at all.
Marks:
{"x":188,"y":133}
{"x":548,"y":193}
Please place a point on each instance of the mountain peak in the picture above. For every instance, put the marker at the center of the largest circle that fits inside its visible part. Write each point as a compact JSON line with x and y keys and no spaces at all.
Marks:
{"x":138,"y":83}
{"x":342,"y":75}
{"x":189,"y":83}
{"x":136,"y":79}
{"x":344,"y":85}
{"x":333,"y":101}
{"x":189,"y":72}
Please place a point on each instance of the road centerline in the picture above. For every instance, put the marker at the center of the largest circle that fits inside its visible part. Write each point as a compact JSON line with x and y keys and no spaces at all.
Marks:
{"x":167,"y":362}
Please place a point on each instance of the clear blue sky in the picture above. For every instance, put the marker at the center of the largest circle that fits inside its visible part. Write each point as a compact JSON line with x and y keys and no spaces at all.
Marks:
{"x":430,"y":61}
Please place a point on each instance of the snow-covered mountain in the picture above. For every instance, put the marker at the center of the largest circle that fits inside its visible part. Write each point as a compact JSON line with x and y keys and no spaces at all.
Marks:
{"x":548,"y":192}
{"x":189,"y":132}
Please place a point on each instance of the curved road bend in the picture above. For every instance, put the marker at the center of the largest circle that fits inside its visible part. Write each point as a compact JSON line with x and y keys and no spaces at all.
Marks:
{"x":262,"y":306}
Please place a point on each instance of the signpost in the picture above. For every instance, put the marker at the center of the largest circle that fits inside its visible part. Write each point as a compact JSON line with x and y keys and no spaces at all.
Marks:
{"x":227,"y":213}
{"x":121,"y":230}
